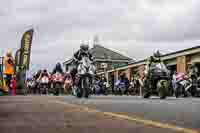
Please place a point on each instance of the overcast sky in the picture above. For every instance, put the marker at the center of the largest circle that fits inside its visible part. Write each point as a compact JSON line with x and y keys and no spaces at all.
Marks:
{"x":133,"y":27}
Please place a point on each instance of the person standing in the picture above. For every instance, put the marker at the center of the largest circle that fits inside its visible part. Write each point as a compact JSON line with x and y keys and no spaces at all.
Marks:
{"x":104,"y":85}
{"x":13,"y":86}
{"x":174,"y":80}
{"x":8,"y":70}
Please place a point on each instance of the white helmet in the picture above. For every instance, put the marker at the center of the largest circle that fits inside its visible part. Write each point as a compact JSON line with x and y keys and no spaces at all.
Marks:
{"x":157,"y":53}
{"x":84,"y":46}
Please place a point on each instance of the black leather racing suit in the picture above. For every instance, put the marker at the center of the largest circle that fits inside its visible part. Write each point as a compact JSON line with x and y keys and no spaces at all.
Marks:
{"x":78,"y":57}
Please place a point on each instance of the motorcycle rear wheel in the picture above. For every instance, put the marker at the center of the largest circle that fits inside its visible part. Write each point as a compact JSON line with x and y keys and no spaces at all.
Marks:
{"x":178,"y":91}
{"x":79,"y":92}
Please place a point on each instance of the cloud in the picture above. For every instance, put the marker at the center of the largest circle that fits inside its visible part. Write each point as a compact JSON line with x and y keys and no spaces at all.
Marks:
{"x":134,"y":28}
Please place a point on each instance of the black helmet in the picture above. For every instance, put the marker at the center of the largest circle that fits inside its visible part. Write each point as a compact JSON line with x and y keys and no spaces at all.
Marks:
{"x":84,"y":47}
{"x":58,"y":65}
{"x":45,"y":70}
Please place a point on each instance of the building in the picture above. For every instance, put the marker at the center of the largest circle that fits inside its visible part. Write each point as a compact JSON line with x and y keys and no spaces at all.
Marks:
{"x":105,"y":59}
{"x":179,"y":61}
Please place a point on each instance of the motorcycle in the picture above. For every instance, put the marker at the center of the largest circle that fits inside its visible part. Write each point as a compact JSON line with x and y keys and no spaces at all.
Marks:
{"x":44,"y":85}
{"x":57,"y":83}
{"x":31,"y":85}
{"x":97,"y":87}
{"x":195,"y":89}
{"x":120,"y":87}
{"x":159,"y":82}
{"x":183,"y":86}
{"x":198,"y":87}
{"x":68,"y":84}
{"x":86,"y":71}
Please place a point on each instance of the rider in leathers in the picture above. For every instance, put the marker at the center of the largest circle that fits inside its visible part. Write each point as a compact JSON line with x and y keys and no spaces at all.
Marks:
{"x":152,"y":60}
{"x":58,"y":68}
{"x":84,"y":50}
{"x":44,"y":73}
{"x":194,"y":77}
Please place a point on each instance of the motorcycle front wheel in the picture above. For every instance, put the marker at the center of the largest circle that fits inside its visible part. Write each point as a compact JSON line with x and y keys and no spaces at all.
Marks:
{"x":86,"y":86}
{"x":147,"y":90}
{"x":162,"y":89}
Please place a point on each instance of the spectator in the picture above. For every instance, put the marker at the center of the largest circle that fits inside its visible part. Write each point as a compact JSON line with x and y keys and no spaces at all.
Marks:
{"x":8,"y":63}
{"x":104,"y":85}
{"x":174,"y":80}
{"x":113,"y":84}
{"x":13,"y":86}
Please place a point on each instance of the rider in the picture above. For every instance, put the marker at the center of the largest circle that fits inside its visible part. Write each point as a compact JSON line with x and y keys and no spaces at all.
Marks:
{"x":58,"y":68}
{"x":84,"y":50}
{"x":44,"y":73}
{"x":194,"y":71}
{"x":151,"y":61}
{"x":155,"y":59}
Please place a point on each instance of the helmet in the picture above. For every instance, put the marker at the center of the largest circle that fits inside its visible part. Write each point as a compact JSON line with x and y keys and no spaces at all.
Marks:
{"x":45,"y":70}
{"x":9,"y":52}
{"x":58,"y":65}
{"x":157,"y":54}
{"x":84,"y":47}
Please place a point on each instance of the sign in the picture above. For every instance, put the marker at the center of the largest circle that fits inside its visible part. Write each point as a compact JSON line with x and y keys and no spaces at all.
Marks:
{"x":117,"y":65}
{"x":104,"y":65}
{"x":25,"y":50}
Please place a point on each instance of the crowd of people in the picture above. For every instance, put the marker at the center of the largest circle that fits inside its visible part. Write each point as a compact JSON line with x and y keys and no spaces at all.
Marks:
{"x":155,"y":74}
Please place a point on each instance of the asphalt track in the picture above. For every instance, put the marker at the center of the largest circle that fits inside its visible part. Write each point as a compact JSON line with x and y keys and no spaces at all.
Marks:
{"x":98,"y":114}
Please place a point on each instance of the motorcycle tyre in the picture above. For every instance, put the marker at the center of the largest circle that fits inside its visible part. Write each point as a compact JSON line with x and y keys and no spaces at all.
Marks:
{"x":147,"y":92}
{"x":178,"y":91}
{"x":79,"y":93}
{"x":86,"y":87}
{"x":146,"y":95}
{"x":162,"y":89}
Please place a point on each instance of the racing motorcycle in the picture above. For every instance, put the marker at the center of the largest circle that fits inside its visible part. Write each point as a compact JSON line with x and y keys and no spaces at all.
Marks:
{"x":120,"y":87}
{"x":183,"y":86}
{"x":96,"y":89}
{"x":86,"y":72}
{"x":68,"y":83}
{"x":44,"y":85}
{"x":198,"y":87}
{"x":158,"y":83}
{"x":31,"y":85}
{"x":195,"y":89}
{"x":57,"y":83}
